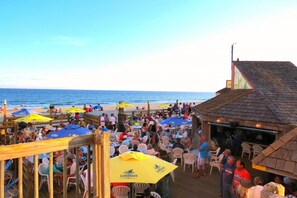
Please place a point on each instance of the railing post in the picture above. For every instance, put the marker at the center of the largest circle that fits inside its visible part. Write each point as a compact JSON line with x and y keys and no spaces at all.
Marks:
{"x":2,"y":165}
{"x":36,"y":182}
{"x":105,"y":155}
{"x":20,"y":176}
{"x":51,"y":177}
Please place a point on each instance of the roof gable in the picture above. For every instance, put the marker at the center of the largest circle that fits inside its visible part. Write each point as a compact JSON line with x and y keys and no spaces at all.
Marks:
{"x":281,"y":156}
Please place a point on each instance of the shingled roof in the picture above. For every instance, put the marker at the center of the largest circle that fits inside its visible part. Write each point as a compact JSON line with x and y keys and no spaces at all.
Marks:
{"x":281,"y":156}
{"x":272,"y":99}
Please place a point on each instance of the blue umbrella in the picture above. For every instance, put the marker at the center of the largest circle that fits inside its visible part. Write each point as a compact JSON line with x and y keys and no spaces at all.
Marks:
{"x":175,"y":121}
{"x":97,"y":107}
{"x":24,"y":112}
{"x":68,"y":131}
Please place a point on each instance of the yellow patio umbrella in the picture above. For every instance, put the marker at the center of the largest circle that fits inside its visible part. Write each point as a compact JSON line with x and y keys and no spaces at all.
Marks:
{"x":75,"y":110}
{"x":33,"y":118}
{"x":136,"y":167}
{"x":124,"y":105}
{"x":164,"y":106}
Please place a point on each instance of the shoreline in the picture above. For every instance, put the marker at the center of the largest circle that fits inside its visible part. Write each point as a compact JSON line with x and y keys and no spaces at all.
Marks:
{"x":42,"y":110}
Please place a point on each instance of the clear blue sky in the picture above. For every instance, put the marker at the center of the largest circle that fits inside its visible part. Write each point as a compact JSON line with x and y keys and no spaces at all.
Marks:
{"x":167,"y":45}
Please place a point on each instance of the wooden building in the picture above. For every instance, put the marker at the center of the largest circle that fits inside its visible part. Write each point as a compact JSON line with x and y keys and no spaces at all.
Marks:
{"x":259,"y":103}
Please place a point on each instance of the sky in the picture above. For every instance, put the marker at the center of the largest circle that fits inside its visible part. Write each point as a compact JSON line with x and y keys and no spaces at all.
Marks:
{"x":148,"y":45}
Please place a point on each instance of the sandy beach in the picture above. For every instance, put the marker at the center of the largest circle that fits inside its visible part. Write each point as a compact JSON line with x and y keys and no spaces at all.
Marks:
{"x":143,"y":106}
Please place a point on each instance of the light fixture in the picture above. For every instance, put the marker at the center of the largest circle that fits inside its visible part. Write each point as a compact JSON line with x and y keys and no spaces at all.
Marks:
{"x":258,"y":125}
{"x":219,"y":120}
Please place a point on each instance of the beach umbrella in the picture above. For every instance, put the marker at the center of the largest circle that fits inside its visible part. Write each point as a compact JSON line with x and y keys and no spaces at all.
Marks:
{"x":75,"y":110}
{"x":175,"y":121}
{"x":136,"y":167}
{"x":164,"y":106}
{"x":97,"y":107}
{"x":24,"y":112}
{"x":33,"y":118}
{"x":68,"y":131}
{"x":124,"y":105}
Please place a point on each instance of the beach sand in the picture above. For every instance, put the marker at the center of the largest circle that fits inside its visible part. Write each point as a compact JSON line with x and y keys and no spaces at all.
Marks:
{"x":144,"y":106}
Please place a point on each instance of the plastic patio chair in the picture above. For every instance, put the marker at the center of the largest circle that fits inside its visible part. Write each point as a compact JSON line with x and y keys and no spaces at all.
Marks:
{"x":216,"y":163}
{"x":172,"y":172}
{"x":120,"y":191}
{"x":139,"y":188}
{"x":43,"y":172}
{"x":246,"y":148}
{"x":257,"y":149}
{"x":123,"y":149}
{"x":155,"y":194}
{"x":112,"y":151}
{"x":178,"y":153}
{"x":189,"y":159}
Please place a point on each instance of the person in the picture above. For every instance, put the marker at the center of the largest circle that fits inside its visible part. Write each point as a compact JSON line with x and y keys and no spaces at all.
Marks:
{"x":162,"y":187}
{"x":255,"y":191}
{"x":113,"y":121}
{"x":202,"y":161}
{"x":280,"y":180}
{"x":150,"y":150}
{"x":102,"y":119}
{"x":177,"y":144}
{"x":240,"y":174}
{"x":226,"y":154}
{"x":228,"y":173}
{"x":147,"y":193}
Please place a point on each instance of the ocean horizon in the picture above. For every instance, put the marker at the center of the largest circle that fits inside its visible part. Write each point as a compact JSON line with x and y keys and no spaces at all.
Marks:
{"x":68,"y":97}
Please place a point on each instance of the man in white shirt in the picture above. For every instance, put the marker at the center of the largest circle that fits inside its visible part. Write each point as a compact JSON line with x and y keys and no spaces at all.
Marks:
{"x":113,"y":121}
{"x":102,"y":119}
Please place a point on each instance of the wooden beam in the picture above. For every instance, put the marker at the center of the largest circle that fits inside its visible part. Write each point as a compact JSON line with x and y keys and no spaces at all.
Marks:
{"x":45,"y":146}
{"x":77,"y":172}
{"x":89,"y":171}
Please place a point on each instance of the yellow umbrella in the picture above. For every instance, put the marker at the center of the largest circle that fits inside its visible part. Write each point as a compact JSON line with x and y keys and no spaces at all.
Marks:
{"x":124,"y":105}
{"x":164,"y":106}
{"x":33,"y":118}
{"x":75,"y":110}
{"x":136,"y":167}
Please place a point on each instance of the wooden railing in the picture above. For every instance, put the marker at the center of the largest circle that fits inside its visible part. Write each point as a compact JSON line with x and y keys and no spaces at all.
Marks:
{"x":100,"y":160}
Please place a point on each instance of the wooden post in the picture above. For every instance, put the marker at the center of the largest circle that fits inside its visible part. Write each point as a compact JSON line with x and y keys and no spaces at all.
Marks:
{"x":106,"y":165}
{"x":96,"y":162}
{"x":51,"y":176}
{"x":77,"y":171}
{"x":89,"y":171}
{"x":65,"y":174}
{"x":20,"y":176}
{"x":2,"y":165}
{"x":36,"y":182}
{"x":4,"y":111}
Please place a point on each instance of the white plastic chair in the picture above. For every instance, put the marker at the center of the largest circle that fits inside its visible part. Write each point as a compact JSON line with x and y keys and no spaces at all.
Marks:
{"x":257,"y":149}
{"x":144,"y":139}
{"x":165,"y":140}
{"x":155,"y":194}
{"x":178,"y":153}
{"x":189,"y":159}
{"x":43,"y":172}
{"x":142,"y":146}
{"x":215,"y":154}
{"x":85,"y":183}
{"x":112,"y":151}
{"x":123,"y":149}
{"x":216,"y":163}
{"x":45,"y":160}
{"x":172,"y":172}
{"x":139,"y":188}
{"x":72,"y":179}
{"x":120,"y":191}
{"x":246,"y":148}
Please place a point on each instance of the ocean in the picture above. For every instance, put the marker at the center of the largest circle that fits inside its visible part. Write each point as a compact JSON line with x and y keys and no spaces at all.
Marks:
{"x":60,"y":98}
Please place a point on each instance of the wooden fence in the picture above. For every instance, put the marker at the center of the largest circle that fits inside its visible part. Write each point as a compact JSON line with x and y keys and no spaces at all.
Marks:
{"x":100,"y":160}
